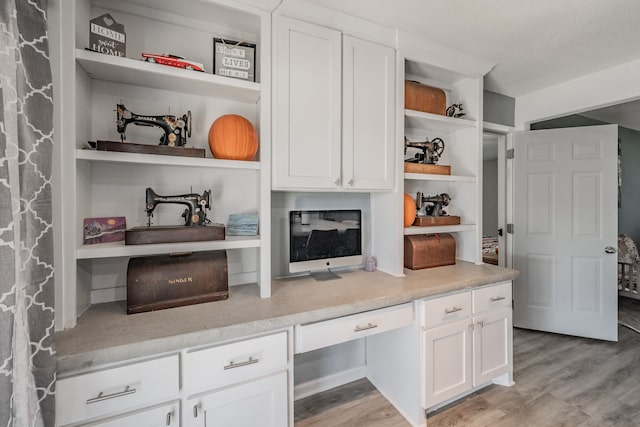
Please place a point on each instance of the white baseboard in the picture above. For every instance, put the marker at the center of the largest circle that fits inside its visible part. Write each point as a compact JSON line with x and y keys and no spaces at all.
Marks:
{"x":312,"y":387}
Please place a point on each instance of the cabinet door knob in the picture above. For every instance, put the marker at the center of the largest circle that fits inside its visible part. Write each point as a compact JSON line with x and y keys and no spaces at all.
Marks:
{"x":337,"y":182}
{"x":169,"y":418}
{"x":195,"y":411}
{"x":351,"y":182}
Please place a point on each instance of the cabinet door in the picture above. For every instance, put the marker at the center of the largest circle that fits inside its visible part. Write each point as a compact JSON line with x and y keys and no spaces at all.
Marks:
{"x":307,"y":107}
{"x":161,"y":416}
{"x":261,"y":402}
{"x":448,"y":362}
{"x":368,"y":115}
{"x":493,"y":345}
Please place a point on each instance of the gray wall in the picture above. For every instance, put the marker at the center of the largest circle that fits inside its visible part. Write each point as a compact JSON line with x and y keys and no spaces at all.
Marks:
{"x":628,"y":214}
{"x":628,"y":218}
{"x":490,"y":197}
{"x":498,"y":108}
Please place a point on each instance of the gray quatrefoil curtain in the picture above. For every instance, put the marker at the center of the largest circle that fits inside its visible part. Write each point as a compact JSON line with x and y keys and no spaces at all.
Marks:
{"x":27,"y":356}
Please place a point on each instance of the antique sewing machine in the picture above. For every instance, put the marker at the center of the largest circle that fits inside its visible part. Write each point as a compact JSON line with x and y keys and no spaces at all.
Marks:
{"x":196,"y":227}
{"x":431,"y":205}
{"x":430,"y":210}
{"x":195,"y":213}
{"x":176,"y":129}
{"x":431,"y":151}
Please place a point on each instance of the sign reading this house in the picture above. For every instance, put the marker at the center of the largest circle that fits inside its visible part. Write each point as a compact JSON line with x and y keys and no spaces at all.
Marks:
{"x":234,"y":59}
{"x":107,"y":36}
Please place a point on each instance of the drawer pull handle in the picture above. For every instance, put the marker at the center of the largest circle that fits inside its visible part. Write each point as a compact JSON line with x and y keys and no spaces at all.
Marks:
{"x":364,"y":328}
{"x":101,"y":396}
{"x":494,"y":299}
{"x":232,"y":365}
{"x":452,"y":310}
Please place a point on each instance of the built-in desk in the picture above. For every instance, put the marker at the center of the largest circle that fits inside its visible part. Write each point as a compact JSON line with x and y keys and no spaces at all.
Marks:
{"x":106,"y":337}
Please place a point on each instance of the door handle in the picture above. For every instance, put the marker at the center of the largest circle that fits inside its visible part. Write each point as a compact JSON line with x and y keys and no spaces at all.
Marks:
{"x":500,"y":232}
{"x":610,"y":250}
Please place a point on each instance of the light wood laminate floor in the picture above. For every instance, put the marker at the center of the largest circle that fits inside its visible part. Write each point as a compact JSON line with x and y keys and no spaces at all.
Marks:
{"x":560,"y":381}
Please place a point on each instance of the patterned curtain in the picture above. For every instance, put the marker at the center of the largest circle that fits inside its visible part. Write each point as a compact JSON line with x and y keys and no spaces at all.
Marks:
{"x":27,"y":356}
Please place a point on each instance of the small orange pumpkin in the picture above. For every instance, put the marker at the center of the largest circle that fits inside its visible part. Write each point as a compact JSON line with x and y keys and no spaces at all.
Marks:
{"x":233,"y":137}
{"x":409,"y":210}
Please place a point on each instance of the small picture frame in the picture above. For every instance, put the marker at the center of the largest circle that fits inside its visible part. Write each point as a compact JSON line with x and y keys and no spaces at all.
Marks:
{"x":234,"y":59}
{"x":103,"y":230}
{"x":242,"y":225}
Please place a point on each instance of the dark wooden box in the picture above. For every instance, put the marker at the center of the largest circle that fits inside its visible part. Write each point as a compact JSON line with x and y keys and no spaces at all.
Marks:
{"x":424,"y":98}
{"x":165,"y":281}
{"x":173,"y":233}
{"x":429,"y":250}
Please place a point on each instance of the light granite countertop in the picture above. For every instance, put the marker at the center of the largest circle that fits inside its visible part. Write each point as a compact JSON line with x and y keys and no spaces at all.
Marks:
{"x":106,"y":334}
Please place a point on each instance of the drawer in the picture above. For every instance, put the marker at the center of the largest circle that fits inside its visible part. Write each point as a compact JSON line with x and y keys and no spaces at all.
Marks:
{"x":492,"y":297}
{"x":116,"y":389}
{"x":226,"y":364}
{"x":329,"y":332}
{"x":165,"y":415}
{"x":446,"y":309}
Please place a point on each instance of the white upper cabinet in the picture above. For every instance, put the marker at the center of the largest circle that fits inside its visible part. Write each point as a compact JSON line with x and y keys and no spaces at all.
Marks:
{"x":333,"y":110}
{"x":368,"y":112}
{"x":307,"y":81}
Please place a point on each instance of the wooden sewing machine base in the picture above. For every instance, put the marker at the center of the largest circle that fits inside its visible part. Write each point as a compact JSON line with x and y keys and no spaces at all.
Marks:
{"x":131,"y":147}
{"x":173,"y":234}
{"x":423,"y":221}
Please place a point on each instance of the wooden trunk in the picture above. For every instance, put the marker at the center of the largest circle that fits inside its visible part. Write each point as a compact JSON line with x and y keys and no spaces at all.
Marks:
{"x":424,"y":98}
{"x":422,"y":168}
{"x":429,"y":250}
{"x":430,"y":221}
{"x":165,"y":281}
{"x":173,"y":234}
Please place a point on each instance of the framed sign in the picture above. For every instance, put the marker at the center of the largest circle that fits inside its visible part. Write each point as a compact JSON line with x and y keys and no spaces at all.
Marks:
{"x":107,"y":36}
{"x":234,"y":59}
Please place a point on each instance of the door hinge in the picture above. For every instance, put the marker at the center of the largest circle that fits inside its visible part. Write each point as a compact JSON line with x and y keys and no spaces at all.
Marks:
{"x":510,"y":228}
{"x":510,"y":154}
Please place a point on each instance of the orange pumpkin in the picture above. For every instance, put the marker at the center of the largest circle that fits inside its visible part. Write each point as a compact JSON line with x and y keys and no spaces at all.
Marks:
{"x":233,"y":137}
{"x":409,"y":210}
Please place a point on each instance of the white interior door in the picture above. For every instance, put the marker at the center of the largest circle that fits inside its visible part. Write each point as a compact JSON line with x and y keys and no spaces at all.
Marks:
{"x":565,"y":218}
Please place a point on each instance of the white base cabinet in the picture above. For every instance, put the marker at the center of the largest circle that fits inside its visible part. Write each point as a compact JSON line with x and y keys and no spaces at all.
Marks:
{"x":240,"y":383}
{"x":467,"y":341}
{"x":260,"y":402}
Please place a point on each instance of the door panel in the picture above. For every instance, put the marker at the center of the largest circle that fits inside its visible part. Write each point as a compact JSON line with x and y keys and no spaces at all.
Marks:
{"x":565,"y":181}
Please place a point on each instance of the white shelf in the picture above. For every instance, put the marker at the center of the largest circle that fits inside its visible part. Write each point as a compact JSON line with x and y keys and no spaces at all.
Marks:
{"x":119,"y":249}
{"x":435,"y":122}
{"x":141,"y":73}
{"x":156,"y":159}
{"x":434,"y":177}
{"x":410,"y":231}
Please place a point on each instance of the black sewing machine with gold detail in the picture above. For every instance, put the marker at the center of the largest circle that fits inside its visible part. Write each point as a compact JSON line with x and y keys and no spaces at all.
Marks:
{"x":176,"y":129}
{"x":431,"y":151}
{"x":430,"y":210}
{"x":195,"y":214}
{"x":196,"y":227}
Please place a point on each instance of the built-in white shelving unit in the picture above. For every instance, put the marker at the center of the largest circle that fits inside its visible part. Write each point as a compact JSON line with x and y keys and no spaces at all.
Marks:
{"x":109,"y":184}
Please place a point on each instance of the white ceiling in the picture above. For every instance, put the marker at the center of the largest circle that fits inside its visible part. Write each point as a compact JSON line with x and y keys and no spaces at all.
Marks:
{"x":534,"y":44}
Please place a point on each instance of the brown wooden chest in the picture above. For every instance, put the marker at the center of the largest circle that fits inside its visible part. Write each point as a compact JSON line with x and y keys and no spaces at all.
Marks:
{"x":424,"y":98}
{"x":429,"y":250}
{"x":165,"y":281}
